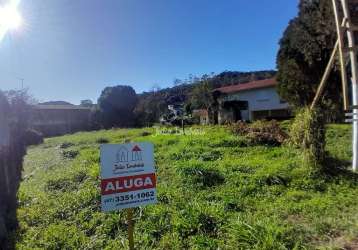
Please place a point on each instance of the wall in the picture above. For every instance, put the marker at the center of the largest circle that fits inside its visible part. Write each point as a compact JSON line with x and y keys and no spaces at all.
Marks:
{"x":53,"y":122}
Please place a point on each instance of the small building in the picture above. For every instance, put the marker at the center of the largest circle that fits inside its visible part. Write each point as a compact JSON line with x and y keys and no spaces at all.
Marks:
{"x":250,"y":101}
{"x":202,"y":115}
{"x":52,"y":120}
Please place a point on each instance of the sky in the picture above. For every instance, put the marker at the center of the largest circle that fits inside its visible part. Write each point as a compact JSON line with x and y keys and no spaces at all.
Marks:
{"x":72,"y":49}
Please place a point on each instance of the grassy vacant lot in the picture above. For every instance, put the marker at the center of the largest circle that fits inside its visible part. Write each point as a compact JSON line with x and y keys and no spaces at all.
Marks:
{"x":215,"y":192}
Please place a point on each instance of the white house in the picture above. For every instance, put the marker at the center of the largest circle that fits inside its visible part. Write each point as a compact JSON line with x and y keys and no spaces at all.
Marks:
{"x":250,"y":101}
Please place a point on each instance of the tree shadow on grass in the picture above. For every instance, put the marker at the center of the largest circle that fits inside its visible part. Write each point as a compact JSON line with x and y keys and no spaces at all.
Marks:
{"x":335,"y":168}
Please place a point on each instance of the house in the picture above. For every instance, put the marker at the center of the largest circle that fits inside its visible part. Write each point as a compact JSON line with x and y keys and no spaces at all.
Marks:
{"x":202,"y":115}
{"x":250,"y":101}
{"x":53,"y":119}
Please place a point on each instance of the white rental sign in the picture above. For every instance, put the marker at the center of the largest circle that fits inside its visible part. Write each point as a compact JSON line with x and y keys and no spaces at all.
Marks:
{"x":127,"y":176}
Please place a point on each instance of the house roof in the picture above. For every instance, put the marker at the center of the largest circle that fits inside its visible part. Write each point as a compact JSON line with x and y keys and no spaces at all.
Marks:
{"x":60,"y":107}
{"x":248,"y":86}
{"x":136,"y":148}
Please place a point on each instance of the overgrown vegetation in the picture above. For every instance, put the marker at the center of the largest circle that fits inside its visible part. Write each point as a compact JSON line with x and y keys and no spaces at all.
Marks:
{"x":33,"y":137}
{"x":308,"y":133}
{"x":260,"y":132}
{"x":214,"y":191}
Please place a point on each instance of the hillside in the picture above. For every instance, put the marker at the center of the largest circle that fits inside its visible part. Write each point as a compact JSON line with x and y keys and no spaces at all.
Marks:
{"x":214,"y":190}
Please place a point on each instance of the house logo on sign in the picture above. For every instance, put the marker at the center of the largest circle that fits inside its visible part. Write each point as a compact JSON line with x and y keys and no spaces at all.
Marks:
{"x":136,"y":153}
{"x":122,"y":155}
{"x":124,"y":161}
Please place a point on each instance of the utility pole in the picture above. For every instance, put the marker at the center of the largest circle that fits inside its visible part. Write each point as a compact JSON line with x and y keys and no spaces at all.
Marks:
{"x":351,"y":28}
{"x":22,"y":83}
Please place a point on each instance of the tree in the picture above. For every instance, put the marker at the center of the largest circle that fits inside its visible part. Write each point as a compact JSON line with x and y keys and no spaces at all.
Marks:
{"x":305,"y":49}
{"x":21,"y":105}
{"x":116,"y":105}
{"x":86,"y":103}
{"x":202,"y":96}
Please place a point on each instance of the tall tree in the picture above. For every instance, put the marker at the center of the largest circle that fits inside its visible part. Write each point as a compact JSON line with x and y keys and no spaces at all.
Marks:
{"x":305,"y":49}
{"x":87,"y":103}
{"x":116,"y":105}
{"x":202,"y":96}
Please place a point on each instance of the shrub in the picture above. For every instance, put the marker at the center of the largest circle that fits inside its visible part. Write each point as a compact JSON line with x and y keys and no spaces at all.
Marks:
{"x":145,"y":133}
{"x":61,"y":184}
{"x":33,"y":137}
{"x":102,"y":140}
{"x":308,"y":133}
{"x":266,"y":132}
{"x":66,"y":145}
{"x":261,"y":132}
{"x":240,"y":128}
{"x":204,"y":177}
{"x":211,"y":156}
{"x":70,"y":154}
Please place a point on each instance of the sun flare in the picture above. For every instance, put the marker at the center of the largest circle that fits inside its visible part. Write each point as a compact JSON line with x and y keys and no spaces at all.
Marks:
{"x":10,"y":18}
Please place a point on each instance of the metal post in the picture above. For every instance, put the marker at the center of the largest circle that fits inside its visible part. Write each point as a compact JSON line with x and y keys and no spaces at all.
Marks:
{"x":353,"y":58}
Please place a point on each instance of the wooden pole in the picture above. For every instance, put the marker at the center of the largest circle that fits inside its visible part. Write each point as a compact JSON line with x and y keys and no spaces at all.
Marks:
{"x":130,"y":219}
{"x":354,"y":66}
{"x":130,"y":228}
{"x":327,"y":71}
{"x":341,"y":55}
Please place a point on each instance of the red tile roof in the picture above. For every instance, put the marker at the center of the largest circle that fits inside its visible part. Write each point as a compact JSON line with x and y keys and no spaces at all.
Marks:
{"x":247,"y":86}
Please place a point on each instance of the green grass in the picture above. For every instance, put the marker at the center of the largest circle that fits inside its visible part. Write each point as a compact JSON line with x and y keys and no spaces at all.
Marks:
{"x":214,"y":192}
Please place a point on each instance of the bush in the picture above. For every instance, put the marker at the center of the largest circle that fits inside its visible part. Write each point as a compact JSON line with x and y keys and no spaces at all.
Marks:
{"x":61,"y":184}
{"x":240,"y":128}
{"x":102,"y":141}
{"x":145,"y":133}
{"x":70,"y":154}
{"x":66,"y":145}
{"x":266,"y":132}
{"x":204,"y":177}
{"x":308,"y":133}
{"x":261,"y":132}
{"x":33,"y":137}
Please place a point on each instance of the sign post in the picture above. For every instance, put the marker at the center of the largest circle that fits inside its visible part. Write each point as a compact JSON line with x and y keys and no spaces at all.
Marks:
{"x":130,"y":228}
{"x":128,"y":179}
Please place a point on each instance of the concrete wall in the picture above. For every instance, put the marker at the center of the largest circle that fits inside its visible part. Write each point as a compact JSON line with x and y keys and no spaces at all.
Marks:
{"x":53,"y":122}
